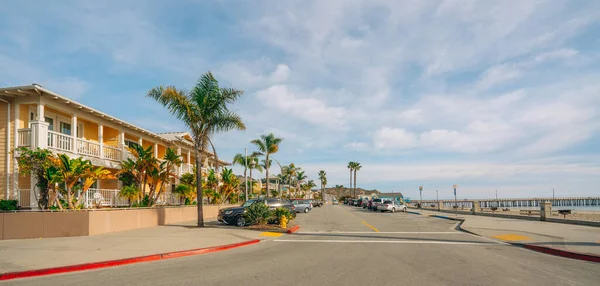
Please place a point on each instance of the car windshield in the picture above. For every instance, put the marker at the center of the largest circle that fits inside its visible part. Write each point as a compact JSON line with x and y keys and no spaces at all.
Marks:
{"x":248,"y":203}
{"x":377,"y":200}
{"x":387,"y":202}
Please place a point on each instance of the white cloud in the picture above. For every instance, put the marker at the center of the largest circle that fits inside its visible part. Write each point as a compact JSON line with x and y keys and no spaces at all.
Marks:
{"x":312,"y":110}
{"x":393,"y":138}
{"x":357,"y":146}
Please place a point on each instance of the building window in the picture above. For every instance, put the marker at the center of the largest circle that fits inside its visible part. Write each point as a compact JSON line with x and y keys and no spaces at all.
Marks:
{"x":65,"y":128}
{"x":130,"y":143}
{"x":51,"y":122}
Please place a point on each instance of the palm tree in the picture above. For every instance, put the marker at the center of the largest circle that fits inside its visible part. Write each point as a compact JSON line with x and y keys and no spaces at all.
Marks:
{"x":323,"y":179}
{"x":230,"y":183}
{"x":350,"y":166}
{"x":300,"y":178}
{"x":242,"y":160}
{"x":205,"y":111}
{"x":356,"y":167}
{"x":253,"y":164}
{"x":267,"y":145}
{"x":70,"y":172}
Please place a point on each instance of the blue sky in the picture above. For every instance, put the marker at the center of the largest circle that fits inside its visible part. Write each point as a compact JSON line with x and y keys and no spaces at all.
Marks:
{"x":485,"y":94}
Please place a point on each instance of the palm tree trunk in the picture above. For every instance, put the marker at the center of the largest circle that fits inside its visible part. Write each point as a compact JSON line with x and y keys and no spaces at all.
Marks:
{"x":267,"y":171}
{"x":351,"y":181}
{"x":355,"y":182}
{"x":199,"y":193}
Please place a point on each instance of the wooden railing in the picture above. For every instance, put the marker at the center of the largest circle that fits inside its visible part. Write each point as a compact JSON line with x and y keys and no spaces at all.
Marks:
{"x":24,"y":136}
{"x":59,"y":141}
{"x":24,"y":198}
{"x":89,"y":148}
{"x":112,"y":153}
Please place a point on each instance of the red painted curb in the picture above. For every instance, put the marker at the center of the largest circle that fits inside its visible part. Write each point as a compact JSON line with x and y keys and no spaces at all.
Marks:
{"x":293,"y":229}
{"x":118,"y":262}
{"x":562,"y":253}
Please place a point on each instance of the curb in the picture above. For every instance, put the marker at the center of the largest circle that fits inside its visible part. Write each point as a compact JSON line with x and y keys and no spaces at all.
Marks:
{"x":293,"y":229}
{"x":558,"y":252}
{"x":119,"y":262}
{"x":542,"y":249}
{"x":417,"y":213}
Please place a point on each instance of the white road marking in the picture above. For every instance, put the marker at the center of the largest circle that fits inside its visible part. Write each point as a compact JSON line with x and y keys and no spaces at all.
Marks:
{"x":382,"y":232}
{"x":387,"y":241}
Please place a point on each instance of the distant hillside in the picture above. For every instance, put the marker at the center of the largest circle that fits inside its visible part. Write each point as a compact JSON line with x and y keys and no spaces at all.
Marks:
{"x":348,"y":192}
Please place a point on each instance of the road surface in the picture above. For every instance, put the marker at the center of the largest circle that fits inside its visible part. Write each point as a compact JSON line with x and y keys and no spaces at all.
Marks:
{"x":342,"y":245}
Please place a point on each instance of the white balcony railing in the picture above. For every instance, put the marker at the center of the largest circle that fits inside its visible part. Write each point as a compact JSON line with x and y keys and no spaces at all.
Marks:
{"x":59,"y":141}
{"x":112,"y":153}
{"x":89,"y":148}
{"x":24,"y":136}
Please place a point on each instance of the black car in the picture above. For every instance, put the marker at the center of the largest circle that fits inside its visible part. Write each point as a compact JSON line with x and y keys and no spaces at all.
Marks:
{"x":235,"y":215}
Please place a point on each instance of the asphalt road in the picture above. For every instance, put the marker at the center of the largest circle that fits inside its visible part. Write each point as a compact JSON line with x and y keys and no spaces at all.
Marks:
{"x":341,"y":245}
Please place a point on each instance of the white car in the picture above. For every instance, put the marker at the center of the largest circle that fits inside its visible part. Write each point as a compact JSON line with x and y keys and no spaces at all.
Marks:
{"x":391,"y":206}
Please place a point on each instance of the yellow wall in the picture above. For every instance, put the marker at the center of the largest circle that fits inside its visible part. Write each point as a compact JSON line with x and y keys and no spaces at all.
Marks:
{"x":131,"y":137}
{"x":161,"y":151}
{"x":110,"y":136}
{"x":109,"y":184}
{"x":23,"y":116}
{"x":59,"y":113}
{"x":90,"y":130}
{"x":146,"y":144}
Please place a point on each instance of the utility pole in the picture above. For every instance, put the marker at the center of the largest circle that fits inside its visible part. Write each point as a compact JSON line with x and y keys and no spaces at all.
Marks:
{"x":496,"y":194}
{"x":245,"y":170}
{"x":552,"y":196}
{"x":437,"y":194}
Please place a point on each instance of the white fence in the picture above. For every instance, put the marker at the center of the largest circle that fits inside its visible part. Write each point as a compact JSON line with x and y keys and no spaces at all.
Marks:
{"x":24,"y":136}
{"x":112,"y":153}
{"x":103,"y":197}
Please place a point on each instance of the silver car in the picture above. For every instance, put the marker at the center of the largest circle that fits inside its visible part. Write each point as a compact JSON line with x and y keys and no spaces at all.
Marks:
{"x":391,"y":206}
{"x":302,"y":205}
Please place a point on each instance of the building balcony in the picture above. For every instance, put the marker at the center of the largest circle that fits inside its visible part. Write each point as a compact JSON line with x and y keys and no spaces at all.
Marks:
{"x":68,"y":144}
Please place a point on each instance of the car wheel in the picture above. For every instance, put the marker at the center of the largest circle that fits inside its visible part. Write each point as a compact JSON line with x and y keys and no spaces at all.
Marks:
{"x":404,"y":210}
{"x":393,"y":210}
{"x":381,"y":210}
{"x":305,"y":210}
{"x":240,"y":221}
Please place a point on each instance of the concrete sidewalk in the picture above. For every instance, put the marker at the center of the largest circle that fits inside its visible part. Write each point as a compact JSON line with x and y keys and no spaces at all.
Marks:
{"x":30,"y":254}
{"x":565,"y":237}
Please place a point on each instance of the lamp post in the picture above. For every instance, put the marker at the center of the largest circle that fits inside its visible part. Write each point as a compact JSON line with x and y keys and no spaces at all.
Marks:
{"x":455,"y":203}
{"x":552,"y":196}
{"x":421,"y":195}
{"x":252,"y":164}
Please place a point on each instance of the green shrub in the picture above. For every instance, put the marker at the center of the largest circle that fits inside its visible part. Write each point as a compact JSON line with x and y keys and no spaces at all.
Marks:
{"x":9,"y":205}
{"x":258,"y":213}
{"x":280,"y":212}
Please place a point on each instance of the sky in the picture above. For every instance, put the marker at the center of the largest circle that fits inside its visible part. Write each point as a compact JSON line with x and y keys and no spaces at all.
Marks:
{"x":489,"y":95}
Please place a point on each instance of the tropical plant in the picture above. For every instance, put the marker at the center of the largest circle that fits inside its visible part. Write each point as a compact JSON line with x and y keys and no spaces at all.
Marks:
{"x":257,"y":213}
{"x":278,"y":213}
{"x":323,"y":179}
{"x":267,"y":145}
{"x":188,"y":179}
{"x":242,"y":160}
{"x":36,"y":163}
{"x":130,"y":193}
{"x":205,"y":111}
{"x":300,"y":178}
{"x":230,"y":184}
{"x":186,"y":193}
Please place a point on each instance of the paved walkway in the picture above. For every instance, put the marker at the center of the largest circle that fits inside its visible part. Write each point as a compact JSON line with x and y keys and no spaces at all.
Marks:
{"x":567,"y":237}
{"x":29,"y":254}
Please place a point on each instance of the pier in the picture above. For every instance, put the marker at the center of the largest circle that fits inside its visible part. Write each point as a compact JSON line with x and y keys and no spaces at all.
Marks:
{"x":516,"y":202}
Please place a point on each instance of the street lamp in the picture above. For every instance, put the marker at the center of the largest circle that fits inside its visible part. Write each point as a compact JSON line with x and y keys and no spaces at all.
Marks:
{"x":552,"y":196}
{"x":455,"y":203}
{"x":421,"y":194}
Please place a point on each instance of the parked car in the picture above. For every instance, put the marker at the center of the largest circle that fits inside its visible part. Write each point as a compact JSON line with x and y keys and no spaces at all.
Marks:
{"x":316,"y":203}
{"x":235,"y":215}
{"x":302,"y":205}
{"x":355,"y":202}
{"x":391,"y":206}
{"x":335,"y":202}
{"x":374,"y":204}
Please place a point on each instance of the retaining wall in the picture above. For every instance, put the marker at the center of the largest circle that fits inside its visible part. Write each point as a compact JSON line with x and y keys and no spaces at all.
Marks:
{"x":38,"y":224}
